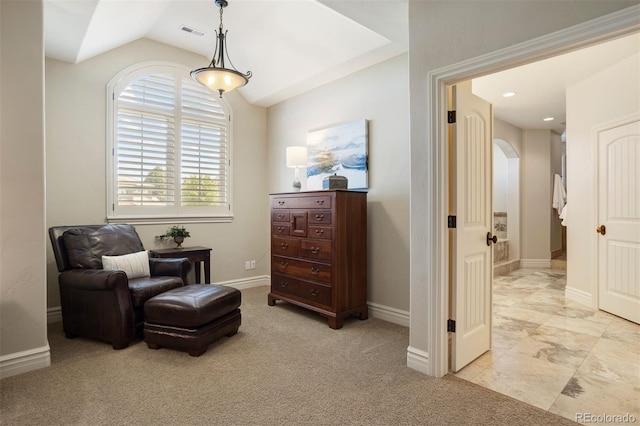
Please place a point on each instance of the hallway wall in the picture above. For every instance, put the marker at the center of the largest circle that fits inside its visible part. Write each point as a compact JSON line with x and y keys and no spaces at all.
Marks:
{"x":536,"y":198}
{"x":513,"y":135}
{"x":593,"y":102}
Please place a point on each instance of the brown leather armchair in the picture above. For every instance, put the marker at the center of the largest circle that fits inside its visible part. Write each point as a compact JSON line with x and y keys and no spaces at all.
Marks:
{"x":105,"y":304}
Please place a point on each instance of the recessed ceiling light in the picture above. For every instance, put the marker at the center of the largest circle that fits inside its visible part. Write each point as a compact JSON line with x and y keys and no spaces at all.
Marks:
{"x":548,"y":119}
{"x":508,"y":94}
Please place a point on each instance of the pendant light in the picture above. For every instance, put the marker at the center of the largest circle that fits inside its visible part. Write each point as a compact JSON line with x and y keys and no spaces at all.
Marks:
{"x":216,"y":76}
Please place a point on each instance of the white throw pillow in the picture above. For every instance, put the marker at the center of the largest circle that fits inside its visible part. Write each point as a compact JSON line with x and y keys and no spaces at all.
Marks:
{"x":135,"y":265}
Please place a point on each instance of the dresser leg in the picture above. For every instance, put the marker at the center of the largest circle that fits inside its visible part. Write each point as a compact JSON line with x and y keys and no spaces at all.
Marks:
{"x":364,"y":314}
{"x":334,"y":323}
{"x":271,"y":301}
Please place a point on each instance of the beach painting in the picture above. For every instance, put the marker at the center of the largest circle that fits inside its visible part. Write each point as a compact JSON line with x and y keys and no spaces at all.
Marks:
{"x":342,"y":150}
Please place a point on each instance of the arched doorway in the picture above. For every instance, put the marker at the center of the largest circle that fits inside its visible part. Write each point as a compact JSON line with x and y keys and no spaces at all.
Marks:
{"x":506,"y":207}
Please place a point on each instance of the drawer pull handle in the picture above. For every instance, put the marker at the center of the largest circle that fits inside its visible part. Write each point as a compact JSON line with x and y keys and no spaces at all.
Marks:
{"x":284,"y":246}
{"x":319,"y":231}
{"x":315,"y":271}
{"x":315,"y":292}
{"x":320,"y":202}
{"x":281,"y":203}
{"x":280,"y":216}
{"x":284,"y":284}
{"x":315,"y":250}
{"x":280,"y":228}
{"x":284,"y":264}
{"x":319,"y":216}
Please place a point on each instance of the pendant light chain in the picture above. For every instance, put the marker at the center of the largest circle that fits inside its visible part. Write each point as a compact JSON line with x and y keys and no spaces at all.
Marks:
{"x":216,"y":76}
{"x":221,"y":10}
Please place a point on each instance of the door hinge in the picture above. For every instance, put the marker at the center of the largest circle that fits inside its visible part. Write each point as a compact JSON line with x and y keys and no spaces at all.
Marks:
{"x":451,"y":326}
{"x":451,"y":221}
{"x":451,"y":117}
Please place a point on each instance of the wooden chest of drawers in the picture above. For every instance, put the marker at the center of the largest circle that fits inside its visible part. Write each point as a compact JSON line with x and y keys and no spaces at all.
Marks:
{"x":319,"y":252}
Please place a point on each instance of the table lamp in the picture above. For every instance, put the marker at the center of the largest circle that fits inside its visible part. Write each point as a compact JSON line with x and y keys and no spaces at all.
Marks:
{"x":296,"y":158}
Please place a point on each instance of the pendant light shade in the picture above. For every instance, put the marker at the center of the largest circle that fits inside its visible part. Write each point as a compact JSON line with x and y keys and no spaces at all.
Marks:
{"x":216,"y":76}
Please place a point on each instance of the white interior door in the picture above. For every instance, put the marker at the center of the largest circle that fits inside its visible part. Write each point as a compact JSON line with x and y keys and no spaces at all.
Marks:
{"x":471,"y":203}
{"x":619,"y":220}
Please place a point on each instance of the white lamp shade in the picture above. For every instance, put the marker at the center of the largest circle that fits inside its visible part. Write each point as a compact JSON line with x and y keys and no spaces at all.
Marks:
{"x":296,"y":156}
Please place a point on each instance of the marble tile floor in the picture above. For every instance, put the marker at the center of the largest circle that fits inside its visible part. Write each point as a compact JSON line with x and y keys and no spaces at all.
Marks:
{"x":559,"y":355}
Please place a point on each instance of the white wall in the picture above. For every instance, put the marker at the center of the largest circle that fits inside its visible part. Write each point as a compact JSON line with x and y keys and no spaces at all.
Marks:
{"x":380,"y":95}
{"x":442,"y":34}
{"x":597,"y":100}
{"x":536,"y":198}
{"x":76,"y":123}
{"x":509,"y":133}
{"x":23,"y":327}
{"x":512,"y":135}
{"x":500,"y":180}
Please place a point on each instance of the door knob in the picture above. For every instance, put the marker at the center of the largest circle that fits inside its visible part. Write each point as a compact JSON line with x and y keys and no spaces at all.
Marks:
{"x":601,"y":229}
{"x":491,"y":239}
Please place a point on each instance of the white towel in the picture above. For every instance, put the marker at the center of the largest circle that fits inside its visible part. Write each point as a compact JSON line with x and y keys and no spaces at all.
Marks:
{"x":563,"y":215}
{"x":559,"y":194}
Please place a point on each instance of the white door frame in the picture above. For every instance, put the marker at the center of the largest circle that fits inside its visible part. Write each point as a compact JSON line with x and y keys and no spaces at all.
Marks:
{"x":434,"y":360}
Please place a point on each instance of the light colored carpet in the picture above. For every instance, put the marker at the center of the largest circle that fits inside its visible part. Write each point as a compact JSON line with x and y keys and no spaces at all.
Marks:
{"x":284,"y":367}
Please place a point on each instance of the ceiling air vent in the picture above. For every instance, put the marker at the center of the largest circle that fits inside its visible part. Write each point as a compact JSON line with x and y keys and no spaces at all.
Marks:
{"x":191,"y":30}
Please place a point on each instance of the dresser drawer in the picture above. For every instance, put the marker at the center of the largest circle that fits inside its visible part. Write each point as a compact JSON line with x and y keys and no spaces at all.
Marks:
{"x":322,"y":232}
{"x":320,"y":217}
{"x":281,"y":229}
{"x":287,"y":286}
{"x":315,"y":249}
{"x":307,"y":202}
{"x":280,"y":216}
{"x":303,"y":269}
{"x":285,"y":246}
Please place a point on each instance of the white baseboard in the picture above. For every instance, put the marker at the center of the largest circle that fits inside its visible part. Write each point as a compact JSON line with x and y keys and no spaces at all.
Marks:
{"x":579,"y":296}
{"x":387,"y":313}
{"x":418,"y":360}
{"x":535,"y":263}
{"x":22,"y":362}
{"x":250,"y":282}
{"x":54,"y":315}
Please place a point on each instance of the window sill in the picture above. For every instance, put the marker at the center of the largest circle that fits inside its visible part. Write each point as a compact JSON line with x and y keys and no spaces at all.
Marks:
{"x":136,"y":220}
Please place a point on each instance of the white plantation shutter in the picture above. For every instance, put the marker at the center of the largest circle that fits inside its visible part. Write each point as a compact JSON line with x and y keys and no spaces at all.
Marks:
{"x":170,"y":147}
{"x":145,"y":158}
{"x":204,"y":154}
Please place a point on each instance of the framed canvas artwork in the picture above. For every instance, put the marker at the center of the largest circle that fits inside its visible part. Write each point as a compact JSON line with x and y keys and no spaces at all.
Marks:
{"x":341,"y":150}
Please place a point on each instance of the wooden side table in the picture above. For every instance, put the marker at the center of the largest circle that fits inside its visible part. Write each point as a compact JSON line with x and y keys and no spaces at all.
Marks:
{"x":194,"y":254}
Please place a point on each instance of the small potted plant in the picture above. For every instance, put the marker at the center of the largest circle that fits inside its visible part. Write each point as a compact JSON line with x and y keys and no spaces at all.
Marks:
{"x":178,"y":233}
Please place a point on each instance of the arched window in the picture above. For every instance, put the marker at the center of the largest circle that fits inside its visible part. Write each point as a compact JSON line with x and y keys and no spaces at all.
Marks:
{"x":169,"y":147}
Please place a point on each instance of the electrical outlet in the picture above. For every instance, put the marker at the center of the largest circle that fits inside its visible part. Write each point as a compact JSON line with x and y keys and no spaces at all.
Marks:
{"x":247,"y":265}
{"x":253,"y":264}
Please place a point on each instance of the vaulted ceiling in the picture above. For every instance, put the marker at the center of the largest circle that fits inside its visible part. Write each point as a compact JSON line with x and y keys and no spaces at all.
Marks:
{"x":292,"y":46}
{"x":289,"y":46}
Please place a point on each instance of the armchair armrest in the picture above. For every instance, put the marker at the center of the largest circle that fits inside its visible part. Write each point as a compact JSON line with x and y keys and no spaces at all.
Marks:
{"x":178,"y":267}
{"x":94,"y":280}
{"x":96,"y":303}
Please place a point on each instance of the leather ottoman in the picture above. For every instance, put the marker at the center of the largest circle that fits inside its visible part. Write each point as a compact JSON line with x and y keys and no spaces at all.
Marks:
{"x":191,"y":317}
